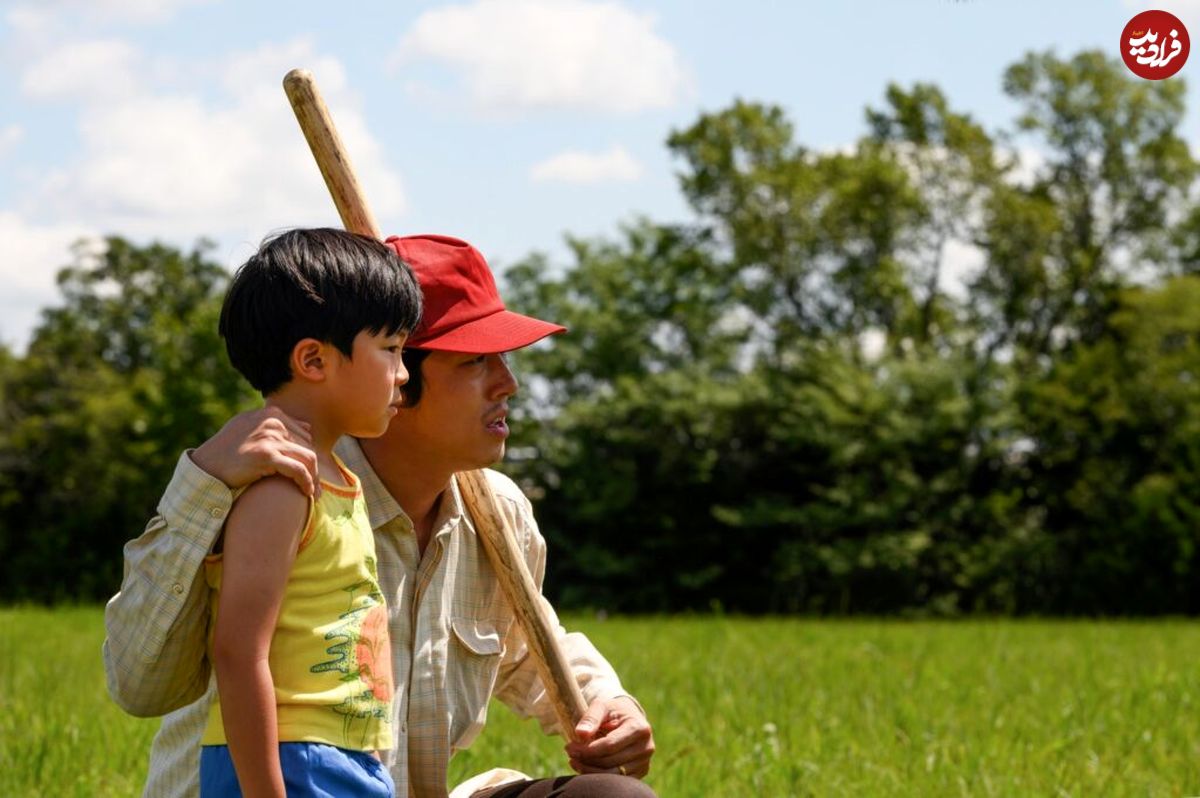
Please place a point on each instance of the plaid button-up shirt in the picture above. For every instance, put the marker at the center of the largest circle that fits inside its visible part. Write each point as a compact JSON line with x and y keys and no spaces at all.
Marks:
{"x":454,"y":644}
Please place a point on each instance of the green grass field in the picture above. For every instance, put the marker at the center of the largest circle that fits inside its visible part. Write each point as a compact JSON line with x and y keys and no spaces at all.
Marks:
{"x":746,"y":708}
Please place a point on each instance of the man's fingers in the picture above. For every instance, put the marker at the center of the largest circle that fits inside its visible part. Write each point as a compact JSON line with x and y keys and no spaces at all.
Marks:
{"x":258,"y":443}
{"x":638,"y":768}
{"x":586,"y":728}
{"x":297,"y":464}
{"x":296,"y":431}
{"x":269,"y":453}
{"x":612,"y":744}
{"x":275,"y":422}
{"x":283,"y":445}
{"x":630,"y":746}
{"x":615,"y":759}
{"x":300,"y":432}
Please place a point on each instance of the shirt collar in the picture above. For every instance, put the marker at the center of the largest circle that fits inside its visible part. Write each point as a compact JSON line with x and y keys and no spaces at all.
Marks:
{"x":382,"y":508}
{"x":452,"y":512}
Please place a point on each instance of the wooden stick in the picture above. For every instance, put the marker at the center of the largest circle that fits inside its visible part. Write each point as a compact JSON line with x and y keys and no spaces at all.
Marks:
{"x":330,"y":153}
{"x":508,"y":561}
{"x":493,"y":529}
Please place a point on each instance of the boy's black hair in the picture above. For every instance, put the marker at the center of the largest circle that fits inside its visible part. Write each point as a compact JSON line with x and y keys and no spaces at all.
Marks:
{"x":318,"y":283}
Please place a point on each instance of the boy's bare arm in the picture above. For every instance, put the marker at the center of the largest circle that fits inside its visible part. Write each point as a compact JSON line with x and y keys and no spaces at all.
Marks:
{"x":261,"y":539}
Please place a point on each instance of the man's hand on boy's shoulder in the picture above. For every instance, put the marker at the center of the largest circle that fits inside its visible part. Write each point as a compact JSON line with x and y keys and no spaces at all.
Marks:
{"x":256,"y":444}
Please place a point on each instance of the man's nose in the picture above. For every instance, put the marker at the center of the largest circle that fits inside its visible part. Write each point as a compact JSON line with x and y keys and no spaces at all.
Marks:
{"x":503,"y":381}
{"x":401,"y":374}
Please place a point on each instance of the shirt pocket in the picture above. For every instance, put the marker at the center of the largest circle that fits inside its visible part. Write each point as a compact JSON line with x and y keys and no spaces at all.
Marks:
{"x":472,"y":665}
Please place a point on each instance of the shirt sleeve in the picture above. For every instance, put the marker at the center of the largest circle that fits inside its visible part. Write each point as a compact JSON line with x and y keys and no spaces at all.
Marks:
{"x":518,"y":684}
{"x":156,"y":628}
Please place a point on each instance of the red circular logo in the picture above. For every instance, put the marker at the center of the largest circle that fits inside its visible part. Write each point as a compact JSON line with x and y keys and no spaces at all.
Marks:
{"x":1155,"y":45}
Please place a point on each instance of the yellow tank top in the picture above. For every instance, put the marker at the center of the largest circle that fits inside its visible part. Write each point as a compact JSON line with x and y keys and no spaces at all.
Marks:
{"x":330,"y":657}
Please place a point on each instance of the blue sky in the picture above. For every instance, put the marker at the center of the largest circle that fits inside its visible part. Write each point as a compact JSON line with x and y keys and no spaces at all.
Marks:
{"x":505,"y":122}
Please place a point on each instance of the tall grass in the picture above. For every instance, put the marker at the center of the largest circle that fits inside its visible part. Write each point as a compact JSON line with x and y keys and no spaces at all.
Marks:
{"x":746,"y":707}
{"x":60,"y":734}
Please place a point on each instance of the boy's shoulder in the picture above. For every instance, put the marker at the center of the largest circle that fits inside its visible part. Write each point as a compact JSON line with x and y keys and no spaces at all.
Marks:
{"x":272,"y":486}
{"x":269,"y":498}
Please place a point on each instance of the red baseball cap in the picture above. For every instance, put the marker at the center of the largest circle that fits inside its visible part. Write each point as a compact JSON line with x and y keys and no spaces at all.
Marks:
{"x":463,"y":311}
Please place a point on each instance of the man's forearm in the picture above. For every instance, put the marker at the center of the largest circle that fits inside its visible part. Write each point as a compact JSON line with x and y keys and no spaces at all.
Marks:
{"x":157,"y":626}
{"x":519,"y":685}
{"x":521,"y":688}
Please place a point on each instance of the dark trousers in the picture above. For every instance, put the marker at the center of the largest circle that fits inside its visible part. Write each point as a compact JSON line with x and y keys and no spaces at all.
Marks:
{"x":591,"y":785}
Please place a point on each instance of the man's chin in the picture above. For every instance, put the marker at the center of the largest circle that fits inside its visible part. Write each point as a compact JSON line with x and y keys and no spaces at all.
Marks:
{"x":492,"y":458}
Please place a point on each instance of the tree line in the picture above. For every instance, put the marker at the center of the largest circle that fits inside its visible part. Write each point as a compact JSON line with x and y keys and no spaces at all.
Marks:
{"x":798,"y":401}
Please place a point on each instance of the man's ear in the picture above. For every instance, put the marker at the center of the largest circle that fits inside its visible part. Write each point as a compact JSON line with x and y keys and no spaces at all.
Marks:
{"x":310,"y":360}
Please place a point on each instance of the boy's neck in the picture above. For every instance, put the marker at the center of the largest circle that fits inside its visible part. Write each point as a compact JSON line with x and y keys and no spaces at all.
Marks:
{"x":323,"y":438}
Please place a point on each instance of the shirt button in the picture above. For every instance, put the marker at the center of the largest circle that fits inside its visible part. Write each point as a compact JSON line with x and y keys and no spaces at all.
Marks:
{"x":404,"y":728}
{"x":177,"y":589}
{"x":217,"y":512}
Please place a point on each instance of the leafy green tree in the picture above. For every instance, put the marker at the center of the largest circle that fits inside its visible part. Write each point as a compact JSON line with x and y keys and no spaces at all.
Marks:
{"x":1116,"y":462}
{"x":777,"y":406}
{"x":1115,"y":179}
{"x":814,"y":241}
{"x":955,"y":168}
{"x":716,"y":405}
{"x":121,"y":377}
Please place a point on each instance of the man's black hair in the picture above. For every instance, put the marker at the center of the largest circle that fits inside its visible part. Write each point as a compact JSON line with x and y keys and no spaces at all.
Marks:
{"x":412,"y":390}
{"x":413,"y":360}
{"x":319,"y":283}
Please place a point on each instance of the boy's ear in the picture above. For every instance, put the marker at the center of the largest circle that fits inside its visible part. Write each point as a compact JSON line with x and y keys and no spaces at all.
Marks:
{"x":310,"y":360}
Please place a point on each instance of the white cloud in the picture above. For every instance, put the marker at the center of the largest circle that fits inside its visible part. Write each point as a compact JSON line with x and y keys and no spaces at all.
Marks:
{"x":872,"y":342}
{"x":1176,"y":7}
{"x":1028,"y":164}
{"x":180,"y":164}
{"x":10,"y":137}
{"x":217,"y":154}
{"x":134,"y":10}
{"x":1187,"y":10}
{"x":95,"y":70}
{"x":961,"y":262}
{"x":574,"y":166}
{"x":44,"y":15}
{"x":536,"y":54}
{"x":33,"y":254}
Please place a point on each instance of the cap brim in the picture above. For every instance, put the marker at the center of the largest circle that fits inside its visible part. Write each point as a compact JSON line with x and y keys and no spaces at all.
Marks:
{"x":500,"y":332}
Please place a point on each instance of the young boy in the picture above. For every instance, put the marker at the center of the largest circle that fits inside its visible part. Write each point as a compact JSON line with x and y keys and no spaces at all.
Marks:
{"x":316,"y":321}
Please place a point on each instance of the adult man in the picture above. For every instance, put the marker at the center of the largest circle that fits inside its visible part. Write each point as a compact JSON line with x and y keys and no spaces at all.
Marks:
{"x":453,"y":638}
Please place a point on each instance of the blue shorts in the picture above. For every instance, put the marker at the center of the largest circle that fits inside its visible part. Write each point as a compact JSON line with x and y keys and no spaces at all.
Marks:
{"x":310,"y":770}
